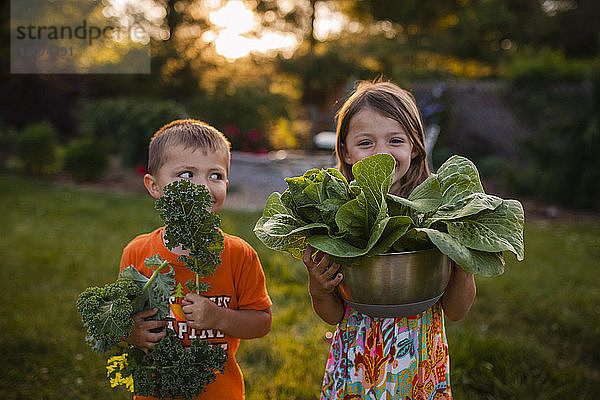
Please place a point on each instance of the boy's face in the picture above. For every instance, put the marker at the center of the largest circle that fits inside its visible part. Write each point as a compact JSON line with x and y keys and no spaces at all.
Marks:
{"x":202,"y":167}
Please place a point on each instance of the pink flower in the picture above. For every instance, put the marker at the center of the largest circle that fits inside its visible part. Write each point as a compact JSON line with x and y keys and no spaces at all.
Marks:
{"x":231,"y":130}
{"x":254,"y":135}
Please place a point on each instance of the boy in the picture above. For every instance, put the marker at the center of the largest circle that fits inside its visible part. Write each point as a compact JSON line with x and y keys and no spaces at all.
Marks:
{"x":237,"y":305}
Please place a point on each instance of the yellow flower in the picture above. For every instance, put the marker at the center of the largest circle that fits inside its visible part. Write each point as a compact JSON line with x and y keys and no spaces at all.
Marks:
{"x":129,"y":383}
{"x":114,"y":365}
{"x":116,"y":380}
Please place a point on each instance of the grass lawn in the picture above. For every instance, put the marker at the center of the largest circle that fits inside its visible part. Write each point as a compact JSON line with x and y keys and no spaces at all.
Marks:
{"x":533,"y":333}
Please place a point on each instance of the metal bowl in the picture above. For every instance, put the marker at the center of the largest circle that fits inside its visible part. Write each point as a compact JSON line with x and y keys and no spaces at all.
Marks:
{"x":396,"y":284}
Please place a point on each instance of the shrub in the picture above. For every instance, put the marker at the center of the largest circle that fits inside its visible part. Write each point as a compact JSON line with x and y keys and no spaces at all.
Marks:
{"x":7,"y":140}
{"x":564,"y":149}
{"x":127,"y":125}
{"x":38,"y":149}
{"x":85,"y":159}
{"x":244,"y":114}
{"x":545,"y":66}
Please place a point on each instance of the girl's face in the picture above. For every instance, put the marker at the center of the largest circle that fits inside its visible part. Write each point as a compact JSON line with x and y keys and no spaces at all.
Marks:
{"x":369,"y":132}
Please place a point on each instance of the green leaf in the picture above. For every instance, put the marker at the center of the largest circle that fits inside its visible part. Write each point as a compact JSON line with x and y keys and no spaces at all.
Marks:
{"x":286,"y":233}
{"x":467,"y":206}
{"x":375,"y":176}
{"x":337,"y":247}
{"x":328,"y":209}
{"x":336,"y":185}
{"x":189,"y":223}
{"x":134,"y":275}
{"x":425,"y":198}
{"x":395,"y":228}
{"x":352,"y":218}
{"x":458,"y":178}
{"x":317,"y":195}
{"x":473,"y":261}
{"x":297,"y":186}
{"x":274,"y":206}
{"x":383,"y":234}
{"x":156,"y":289}
{"x":500,"y":229}
{"x":284,"y":225}
{"x":171,"y":371}
{"x":413,"y":240}
{"x":160,"y":290}
{"x":106,"y":312}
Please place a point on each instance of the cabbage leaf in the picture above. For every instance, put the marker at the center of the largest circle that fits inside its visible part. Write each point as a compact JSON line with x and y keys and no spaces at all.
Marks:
{"x":349,"y":220}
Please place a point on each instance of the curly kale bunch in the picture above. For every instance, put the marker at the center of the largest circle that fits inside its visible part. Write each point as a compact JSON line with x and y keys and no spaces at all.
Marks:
{"x":106,"y":312}
{"x":183,"y":207}
{"x":172,"y":371}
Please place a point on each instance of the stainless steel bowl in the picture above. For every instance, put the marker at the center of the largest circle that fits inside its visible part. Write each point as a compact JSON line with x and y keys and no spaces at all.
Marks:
{"x":396,"y":284}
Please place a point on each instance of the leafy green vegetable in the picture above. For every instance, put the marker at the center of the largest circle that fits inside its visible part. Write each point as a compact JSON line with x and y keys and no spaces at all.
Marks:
{"x":172,"y":371}
{"x":449,"y":210}
{"x":183,"y":207}
{"x":169,"y":370}
{"x":155,"y":289}
{"x":106,"y":312}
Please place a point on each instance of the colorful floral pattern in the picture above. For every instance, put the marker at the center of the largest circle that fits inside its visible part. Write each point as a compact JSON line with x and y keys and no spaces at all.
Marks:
{"x":388,"y":358}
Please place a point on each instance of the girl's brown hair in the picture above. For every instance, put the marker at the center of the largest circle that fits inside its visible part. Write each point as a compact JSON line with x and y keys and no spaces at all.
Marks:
{"x":392,"y":102}
{"x":187,"y":133}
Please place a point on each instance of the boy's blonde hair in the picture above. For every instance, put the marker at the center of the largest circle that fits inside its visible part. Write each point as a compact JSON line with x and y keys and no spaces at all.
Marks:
{"x":187,"y":133}
{"x":392,"y":102}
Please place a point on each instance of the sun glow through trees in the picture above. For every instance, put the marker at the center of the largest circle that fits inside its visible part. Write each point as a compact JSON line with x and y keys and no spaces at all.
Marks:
{"x":234,"y":21}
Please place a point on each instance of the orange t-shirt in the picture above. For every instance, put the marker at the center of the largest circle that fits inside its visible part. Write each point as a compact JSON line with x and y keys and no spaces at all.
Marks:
{"x":238,"y":283}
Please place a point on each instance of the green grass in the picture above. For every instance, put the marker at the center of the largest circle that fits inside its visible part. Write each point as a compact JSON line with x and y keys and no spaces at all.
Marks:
{"x":533,"y":333}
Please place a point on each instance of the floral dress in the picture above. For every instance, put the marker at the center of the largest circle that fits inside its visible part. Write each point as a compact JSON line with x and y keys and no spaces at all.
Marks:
{"x":389,"y":358}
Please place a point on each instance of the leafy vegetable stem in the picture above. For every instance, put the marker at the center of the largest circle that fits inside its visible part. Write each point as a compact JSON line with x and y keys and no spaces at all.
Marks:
{"x":191,"y":209}
{"x":197,"y":276}
{"x":154,"y":275}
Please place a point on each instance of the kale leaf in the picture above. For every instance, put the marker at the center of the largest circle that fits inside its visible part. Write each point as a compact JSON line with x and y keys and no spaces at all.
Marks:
{"x":106,"y":312}
{"x":189,"y":224}
{"x":171,"y":371}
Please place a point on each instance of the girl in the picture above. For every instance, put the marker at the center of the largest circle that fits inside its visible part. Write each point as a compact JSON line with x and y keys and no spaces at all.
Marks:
{"x":385,"y":358}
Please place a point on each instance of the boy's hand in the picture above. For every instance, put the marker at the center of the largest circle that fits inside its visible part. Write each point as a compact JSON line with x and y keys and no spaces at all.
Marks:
{"x":322,"y":273}
{"x":200,"y":312}
{"x":141,"y":335}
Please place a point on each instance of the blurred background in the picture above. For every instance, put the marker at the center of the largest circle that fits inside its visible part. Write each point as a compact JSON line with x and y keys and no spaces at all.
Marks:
{"x":514,"y":85}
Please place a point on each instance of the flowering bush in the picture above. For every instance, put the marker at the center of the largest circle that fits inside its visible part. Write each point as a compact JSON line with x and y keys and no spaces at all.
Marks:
{"x":252,"y":140}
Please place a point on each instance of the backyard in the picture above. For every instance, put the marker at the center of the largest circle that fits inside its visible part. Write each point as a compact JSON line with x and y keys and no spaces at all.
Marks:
{"x":502,"y":83}
{"x":532,"y":333}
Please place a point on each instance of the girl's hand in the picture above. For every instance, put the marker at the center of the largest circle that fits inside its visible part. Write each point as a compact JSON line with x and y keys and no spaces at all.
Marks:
{"x":200,"y":312}
{"x":323,"y":277}
{"x":141,"y":335}
{"x":322,"y":272}
{"x":460,"y":294}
